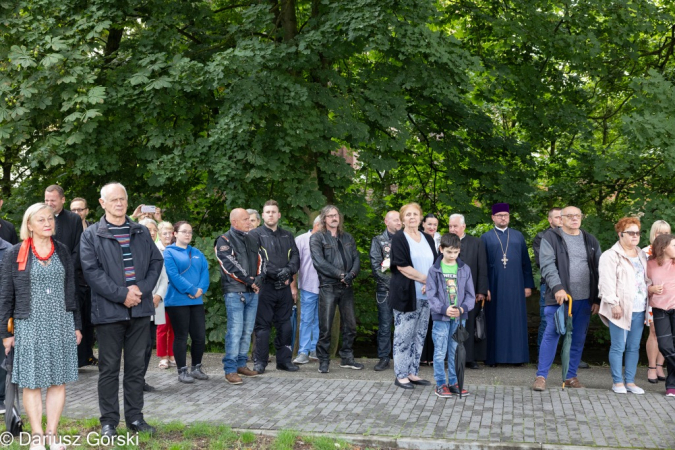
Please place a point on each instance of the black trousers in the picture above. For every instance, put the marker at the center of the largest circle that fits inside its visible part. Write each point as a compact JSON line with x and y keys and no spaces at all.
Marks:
{"x":85,"y":350}
{"x":330,"y":297}
{"x":151,"y":344}
{"x":132,"y":337}
{"x":188,"y":320}
{"x":664,"y":323}
{"x":274,"y":308}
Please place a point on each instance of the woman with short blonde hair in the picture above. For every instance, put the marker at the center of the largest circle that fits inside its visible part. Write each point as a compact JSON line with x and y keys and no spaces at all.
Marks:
{"x":412,"y":254}
{"x":38,"y":292}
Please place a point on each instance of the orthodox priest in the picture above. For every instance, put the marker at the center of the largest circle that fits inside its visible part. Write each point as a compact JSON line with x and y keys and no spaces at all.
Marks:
{"x":510,"y":283}
{"x":473,"y":255}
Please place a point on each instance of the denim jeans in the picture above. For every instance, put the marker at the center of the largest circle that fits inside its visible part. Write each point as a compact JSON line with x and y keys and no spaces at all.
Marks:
{"x":581,"y":316}
{"x":626,"y":344}
{"x":309,"y":322}
{"x":332,"y":296}
{"x":240,"y":321}
{"x":444,"y":345}
{"x":542,"y":314}
{"x":385,"y":317}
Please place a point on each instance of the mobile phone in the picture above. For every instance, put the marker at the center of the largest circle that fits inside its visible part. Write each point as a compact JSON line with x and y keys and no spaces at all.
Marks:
{"x":148,"y":209}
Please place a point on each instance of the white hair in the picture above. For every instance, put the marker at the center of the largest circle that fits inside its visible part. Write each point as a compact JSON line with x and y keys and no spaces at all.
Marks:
{"x":28,"y":215}
{"x":317,"y":219}
{"x":147,"y":221}
{"x":104,"y":189}
{"x":458,"y":216}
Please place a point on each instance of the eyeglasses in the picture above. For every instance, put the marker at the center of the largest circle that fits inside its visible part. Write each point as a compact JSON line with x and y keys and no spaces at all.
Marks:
{"x":631,"y":233}
{"x":186,"y":233}
{"x":574,"y":216}
{"x":78,"y":210}
{"x":502,"y":216}
{"x":330,"y":216}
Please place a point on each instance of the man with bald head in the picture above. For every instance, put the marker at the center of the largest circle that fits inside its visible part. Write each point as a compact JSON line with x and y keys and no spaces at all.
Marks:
{"x":472,"y":253}
{"x":240,"y":278}
{"x":379,"y":261}
{"x":569,"y":259}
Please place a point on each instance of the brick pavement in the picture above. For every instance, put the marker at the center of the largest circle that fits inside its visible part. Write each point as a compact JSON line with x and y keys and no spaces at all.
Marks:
{"x":491,"y":414}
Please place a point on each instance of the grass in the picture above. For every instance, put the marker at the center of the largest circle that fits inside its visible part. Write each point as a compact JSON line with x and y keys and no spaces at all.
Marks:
{"x":197,"y":436}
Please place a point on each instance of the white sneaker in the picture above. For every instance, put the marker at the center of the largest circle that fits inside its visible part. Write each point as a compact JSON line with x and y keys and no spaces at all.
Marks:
{"x":302,"y":358}
{"x":635,"y":390}
{"x":619,"y":389}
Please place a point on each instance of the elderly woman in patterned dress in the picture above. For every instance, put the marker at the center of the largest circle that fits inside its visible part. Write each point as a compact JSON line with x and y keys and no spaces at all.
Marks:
{"x":37,"y":290}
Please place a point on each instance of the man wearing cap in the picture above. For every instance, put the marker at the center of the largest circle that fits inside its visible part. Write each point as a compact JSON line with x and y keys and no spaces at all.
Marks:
{"x":510,"y":282}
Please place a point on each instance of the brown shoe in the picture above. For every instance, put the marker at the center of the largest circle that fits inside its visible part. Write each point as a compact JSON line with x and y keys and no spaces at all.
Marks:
{"x":246,"y":372}
{"x":573,"y":383}
{"x":539,"y":384}
{"x":233,"y":378}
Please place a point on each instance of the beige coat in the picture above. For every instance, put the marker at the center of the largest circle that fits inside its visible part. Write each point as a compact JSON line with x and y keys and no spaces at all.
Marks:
{"x":160,"y":289}
{"x":617,"y":285}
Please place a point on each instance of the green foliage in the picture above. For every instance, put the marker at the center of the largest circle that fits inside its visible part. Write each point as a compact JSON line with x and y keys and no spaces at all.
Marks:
{"x":203,"y":106}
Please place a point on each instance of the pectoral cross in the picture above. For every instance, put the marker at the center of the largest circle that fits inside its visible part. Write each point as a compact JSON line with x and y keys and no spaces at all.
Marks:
{"x":504,"y":260}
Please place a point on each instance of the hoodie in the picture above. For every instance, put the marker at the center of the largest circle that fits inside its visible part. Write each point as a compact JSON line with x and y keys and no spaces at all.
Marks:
{"x":438,"y":294}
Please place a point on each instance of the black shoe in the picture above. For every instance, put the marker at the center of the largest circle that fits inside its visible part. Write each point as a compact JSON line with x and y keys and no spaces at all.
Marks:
{"x":148,"y":388}
{"x":421,"y":382}
{"x":290,"y":367}
{"x":382,"y":364}
{"x":403,"y":385}
{"x":141,"y":426}
{"x":108,"y":431}
{"x":491,"y":365}
{"x":351,"y":364}
{"x":184,"y":376}
{"x":472,"y":365}
{"x":584,"y":365}
{"x":197,"y":373}
{"x":258,"y":368}
{"x":323,"y":366}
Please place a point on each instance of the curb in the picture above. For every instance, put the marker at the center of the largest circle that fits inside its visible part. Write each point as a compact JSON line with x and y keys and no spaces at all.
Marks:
{"x":432,"y":444}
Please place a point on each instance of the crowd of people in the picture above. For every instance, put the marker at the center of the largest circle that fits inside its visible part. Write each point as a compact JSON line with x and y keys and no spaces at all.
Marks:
{"x":138,"y":282}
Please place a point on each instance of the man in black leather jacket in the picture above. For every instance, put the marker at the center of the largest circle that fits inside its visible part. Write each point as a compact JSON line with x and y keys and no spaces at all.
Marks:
{"x":281,"y":261}
{"x":241,"y":278}
{"x":379,"y":261}
{"x":336,"y":260}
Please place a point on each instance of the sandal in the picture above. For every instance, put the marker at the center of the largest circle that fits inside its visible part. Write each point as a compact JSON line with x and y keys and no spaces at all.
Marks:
{"x":164,"y":364}
{"x":652,"y":380}
{"x":657,"y":376}
{"x":172,"y":363}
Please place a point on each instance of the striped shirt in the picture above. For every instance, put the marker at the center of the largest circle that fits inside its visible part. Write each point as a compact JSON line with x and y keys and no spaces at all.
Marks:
{"x":123,"y":236}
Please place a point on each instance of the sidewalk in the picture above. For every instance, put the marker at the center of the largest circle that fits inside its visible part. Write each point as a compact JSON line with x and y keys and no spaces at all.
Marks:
{"x":349,"y":403}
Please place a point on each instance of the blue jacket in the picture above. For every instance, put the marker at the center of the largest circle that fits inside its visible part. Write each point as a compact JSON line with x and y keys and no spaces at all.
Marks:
{"x":438,"y":294}
{"x":188,"y":271}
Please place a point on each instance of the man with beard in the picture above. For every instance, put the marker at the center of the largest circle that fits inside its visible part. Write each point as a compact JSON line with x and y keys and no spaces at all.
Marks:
{"x":275,"y":301}
{"x":510,"y":283}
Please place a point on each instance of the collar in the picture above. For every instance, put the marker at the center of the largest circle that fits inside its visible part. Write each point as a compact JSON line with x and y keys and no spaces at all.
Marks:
{"x":503,"y":230}
{"x":239,"y":232}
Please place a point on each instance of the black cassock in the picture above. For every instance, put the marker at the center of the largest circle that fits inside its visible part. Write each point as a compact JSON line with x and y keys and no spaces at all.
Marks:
{"x":506,"y":314}
{"x":473,"y":255}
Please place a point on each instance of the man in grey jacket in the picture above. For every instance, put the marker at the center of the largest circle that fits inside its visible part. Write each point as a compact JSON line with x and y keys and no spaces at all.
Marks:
{"x":379,"y":261}
{"x":121,"y":264}
{"x":569,"y":259}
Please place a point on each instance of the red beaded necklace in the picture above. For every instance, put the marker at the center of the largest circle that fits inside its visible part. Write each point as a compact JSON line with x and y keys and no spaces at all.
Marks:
{"x":41,"y":258}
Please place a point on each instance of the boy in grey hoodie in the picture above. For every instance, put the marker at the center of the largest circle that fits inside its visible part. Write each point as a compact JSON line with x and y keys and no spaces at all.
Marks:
{"x":451,"y":296}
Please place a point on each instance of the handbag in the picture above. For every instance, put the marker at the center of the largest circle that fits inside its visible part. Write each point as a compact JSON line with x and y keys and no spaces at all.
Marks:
{"x":479,"y":324}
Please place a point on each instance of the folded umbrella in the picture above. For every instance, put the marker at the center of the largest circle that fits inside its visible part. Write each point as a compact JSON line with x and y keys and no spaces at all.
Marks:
{"x":13,"y":421}
{"x":460,"y":336}
{"x":567,"y":342}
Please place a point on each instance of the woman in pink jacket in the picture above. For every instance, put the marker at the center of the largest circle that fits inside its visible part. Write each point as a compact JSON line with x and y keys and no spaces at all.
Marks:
{"x":623,"y":287}
{"x":661,"y":270}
